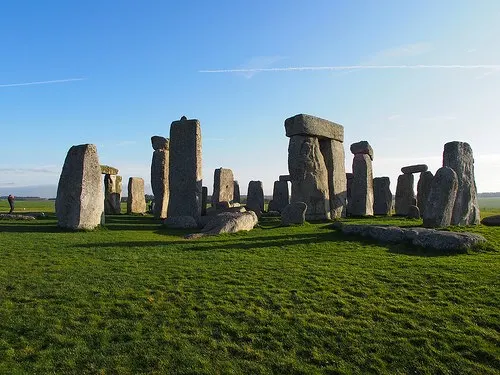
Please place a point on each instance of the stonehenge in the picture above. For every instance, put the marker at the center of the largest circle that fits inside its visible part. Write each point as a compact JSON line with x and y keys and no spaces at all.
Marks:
{"x":361,"y":189}
{"x":404,"y":194}
{"x":281,"y":196}
{"x":236,"y":192}
{"x":423,"y":190}
{"x":223,"y":186}
{"x":255,"y":197}
{"x":382,"y":196}
{"x":136,"y":201}
{"x":112,"y":194}
{"x":443,"y":192}
{"x":160,"y":176}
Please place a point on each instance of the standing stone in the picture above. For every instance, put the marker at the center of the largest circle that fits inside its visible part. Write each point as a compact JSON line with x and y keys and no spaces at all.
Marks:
{"x":382,"y":196}
{"x":423,"y":189}
{"x":236,"y":192}
{"x":294,"y":213}
{"x":404,"y":194}
{"x":333,"y":154}
{"x":185,"y":169}
{"x":204,"y":200}
{"x":349,"y":177}
{"x":439,"y":207}
{"x":223,"y":186}
{"x":255,"y":196}
{"x":458,"y":156}
{"x":112,"y":194}
{"x":361,"y":203}
{"x":136,"y":201}
{"x":159,"y":176}
{"x":80,"y":196}
{"x":281,"y":196}
{"x":309,"y":176}
{"x":413,"y":212}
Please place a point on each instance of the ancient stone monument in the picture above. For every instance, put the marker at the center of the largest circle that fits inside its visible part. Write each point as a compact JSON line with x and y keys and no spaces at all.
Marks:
{"x":439,"y":207}
{"x":281,"y":196}
{"x":204,"y":200}
{"x":185,"y":176}
{"x":236,"y":192}
{"x":361,"y":202}
{"x":159,"y":175}
{"x":112,"y":194}
{"x":255,"y":197}
{"x":382,"y":196}
{"x":404,"y":194}
{"x":294,"y":213}
{"x":136,"y":200}
{"x":223,"y":186}
{"x":80,"y":196}
{"x":423,"y":190}
{"x":316,"y":165}
{"x":458,"y":156}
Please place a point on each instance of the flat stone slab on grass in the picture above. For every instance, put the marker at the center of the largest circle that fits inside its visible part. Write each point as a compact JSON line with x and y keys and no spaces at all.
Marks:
{"x":417,"y":168}
{"x":16,"y":217}
{"x":492,"y":221}
{"x":227,"y":222}
{"x":180,"y":222}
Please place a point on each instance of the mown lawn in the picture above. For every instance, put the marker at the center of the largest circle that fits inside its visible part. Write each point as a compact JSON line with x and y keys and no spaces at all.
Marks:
{"x":134,"y":298}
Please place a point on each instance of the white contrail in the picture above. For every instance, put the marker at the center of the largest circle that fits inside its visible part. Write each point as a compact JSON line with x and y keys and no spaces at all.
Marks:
{"x":42,"y":82}
{"x":351,"y":67}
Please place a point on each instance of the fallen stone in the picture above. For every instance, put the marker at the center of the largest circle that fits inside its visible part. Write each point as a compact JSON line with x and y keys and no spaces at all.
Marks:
{"x":308,"y":125}
{"x":444,"y":240}
{"x":294,"y":213}
{"x":439,"y":208}
{"x":180,"y":222}
{"x":106,"y":169}
{"x":417,"y":168}
{"x":362,"y":147}
{"x":493,"y":221}
{"x":16,"y":217}
{"x":159,"y":143}
{"x":231,"y":222}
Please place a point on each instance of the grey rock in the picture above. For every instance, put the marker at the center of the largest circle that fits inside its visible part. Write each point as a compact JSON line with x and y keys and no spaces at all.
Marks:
{"x":180,"y":222}
{"x":231,"y":222}
{"x":285,"y":177}
{"x":423,"y":190}
{"x":417,"y":168}
{"x":106,"y":169}
{"x":159,"y":143}
{"x":16,"y":217}
{"x":236,"y":192}
{"x":136,"y":200}
{"x":361,"y":202}
{"x":404,"y":194}
{"x":294,"y":213}
{"x":413,"y":212}
{"x":333,"y":154}
{"x":223,"y":186}
{"x":313,"y":126}
{"x":281,"y":196}
{"x":493,"y":221}
{"x":439,"y":208}
{"x":362,"y":147}
{"x":204,"y":200}
{"x":160,"y":182}
{"x":458,"y":156}
{"x":382,"y":196}
{"x":255,"y":196}
{"x":309,"y":176}
{"x":185,"y":177}
{"x":80,"y":194}
{"x":112,"y":194}
{"x":349,"y":178}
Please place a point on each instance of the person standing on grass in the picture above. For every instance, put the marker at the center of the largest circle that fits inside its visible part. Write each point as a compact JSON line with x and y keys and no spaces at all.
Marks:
{"x":11,"y":198}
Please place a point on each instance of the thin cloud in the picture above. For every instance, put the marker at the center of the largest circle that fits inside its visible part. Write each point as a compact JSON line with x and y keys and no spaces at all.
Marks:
{"x":393,"y":117}
{"x":407,"y":50}
{"x":27,"y":170}
{"x":42,"y":82}
{"x":353,"y":67}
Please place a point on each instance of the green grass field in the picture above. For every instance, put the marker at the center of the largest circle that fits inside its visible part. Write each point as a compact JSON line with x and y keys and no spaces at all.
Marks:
{"x":134,"y":298}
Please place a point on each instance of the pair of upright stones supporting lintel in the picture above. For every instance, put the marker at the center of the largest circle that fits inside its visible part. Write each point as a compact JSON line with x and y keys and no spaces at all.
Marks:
{"x":405,"y":200}
{"x":112,"y":190}
{"x":316,"y":164}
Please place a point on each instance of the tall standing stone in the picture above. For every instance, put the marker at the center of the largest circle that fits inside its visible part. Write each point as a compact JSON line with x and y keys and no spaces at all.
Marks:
{"x":382,"y":196}
{"x":255,"y":196}
{"x":404,"y":194}
{"x":112,"y":194}
{"x":334,"y":156}
{"x":185,"y":176}
{"x":349,"y":177}
{"x":281,"y":196}
{"x":236,"y":192}
{"x":439,"y":207}
{"x":204,"y":200}
{"x":361,"y":203}
{"x":223,"y":186}
{"x":458,"y":156}
{"x":423,"y":190}
{"x":80,"y":195}
{"x":160,"y":176}
{"x":136,"y":200}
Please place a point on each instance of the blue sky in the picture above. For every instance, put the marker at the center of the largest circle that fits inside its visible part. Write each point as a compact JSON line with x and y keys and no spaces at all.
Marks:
{"x":135,"y":66}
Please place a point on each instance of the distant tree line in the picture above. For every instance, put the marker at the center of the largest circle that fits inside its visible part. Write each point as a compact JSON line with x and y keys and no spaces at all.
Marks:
{"x":489,"y":195}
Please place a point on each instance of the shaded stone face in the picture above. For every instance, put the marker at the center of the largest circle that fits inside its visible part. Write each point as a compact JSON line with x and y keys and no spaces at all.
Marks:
{"x":160,"y":182}
{"x":285,"y":177}
{"x":313,"y":126}
{"x":413,"y":212}
{"x":255,"y":196}
{"x":159,"y":143}
{"x":281,"y":196}
{"x":362,"y":147}
{"x":333,"y":154}
{"x":136,"y":201}
{"x":236,"y":192}
{"x":417,"y":168}
{"x":185,"y":177}
{"x":361,"y":202}
{"x":458,"y":156}
{"x":423,"y":189}
{"x":382,"y":196}
{"x":80,"y":196}
{"x":309,"y":176}
{"x":294,"y":213}
{"x":404,"y":194}
{"x":112,"y":194}
{"x":223,"y":186}
{"x":204,"y":200}
{"x":439,"y":207}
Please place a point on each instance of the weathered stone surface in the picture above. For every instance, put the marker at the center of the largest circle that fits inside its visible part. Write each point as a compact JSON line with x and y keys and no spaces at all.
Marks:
{"x":313,"y":126}
{"x":204,"y":200}
{"x":493,"y":221}
{"x":236,"y":192}
{"x":159,"y":143}
{"x":223,"y":186}
{"x":427,"y":238}
{"x":80,"y":194}
{"x":106,"y":169}
{"x":361,"y":202}
{"x":417,"y":168}
{"x":231,"y":222}
{"x":309,"y":176}
{"x":281,"y":196}
{"x":458,"y":156}
{"x":255,"y":196}
{"x":382,"y":196}
{"x":180,"y":222}
{"x":294,"y":213}
{"x":136,"y":201}
{"x":112,"y":194}
{"x":160,"y":182}
{"x":285,"y":177}
{"x":404,"y":194}
{"x":16,"y":217}
{"x":413,"y":212}
{"x":439,"y":207}
{"x":423,"y":190}
{"x":349,"y":177}
{"x":185,"y":176}
{"x":333,"y":154}
{"x":362,"y":147}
